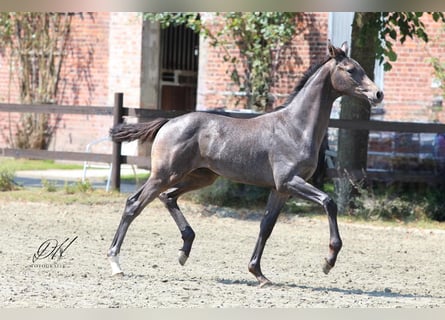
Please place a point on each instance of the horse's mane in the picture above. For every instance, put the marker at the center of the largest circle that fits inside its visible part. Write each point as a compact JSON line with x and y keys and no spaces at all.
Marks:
{"x":307,"y":74}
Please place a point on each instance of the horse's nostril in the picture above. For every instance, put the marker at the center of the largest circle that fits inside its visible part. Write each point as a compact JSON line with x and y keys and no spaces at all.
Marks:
{"x":380,"y":95}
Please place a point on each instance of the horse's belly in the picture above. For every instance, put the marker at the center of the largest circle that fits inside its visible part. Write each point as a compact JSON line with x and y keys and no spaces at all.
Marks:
{"x":244,"y":170}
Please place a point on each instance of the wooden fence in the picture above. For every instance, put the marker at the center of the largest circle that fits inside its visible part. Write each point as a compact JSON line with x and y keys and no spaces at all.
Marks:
{"x":119,"y":112}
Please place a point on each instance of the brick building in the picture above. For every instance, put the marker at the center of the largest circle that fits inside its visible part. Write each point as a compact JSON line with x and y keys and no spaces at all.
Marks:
{"x":174,"y":69}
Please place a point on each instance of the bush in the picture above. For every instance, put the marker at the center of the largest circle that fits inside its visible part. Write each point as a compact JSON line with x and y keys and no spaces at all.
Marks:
{"x":48,"y":185}
{"x":435,"y":208}
{"x":79,"y":186}
{"x":402,"y":202}
{"x":7,"y":180}
{"x":231,"y":194}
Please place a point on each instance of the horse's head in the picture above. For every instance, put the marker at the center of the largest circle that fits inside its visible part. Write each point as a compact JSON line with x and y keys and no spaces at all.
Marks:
{"x":349,"y":78}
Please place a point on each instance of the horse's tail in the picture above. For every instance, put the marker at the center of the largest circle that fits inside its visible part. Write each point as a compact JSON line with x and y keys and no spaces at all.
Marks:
{"x":145,"y":131}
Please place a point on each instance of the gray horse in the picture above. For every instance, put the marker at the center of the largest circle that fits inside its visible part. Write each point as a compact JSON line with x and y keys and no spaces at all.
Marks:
{"x":278,"y":150}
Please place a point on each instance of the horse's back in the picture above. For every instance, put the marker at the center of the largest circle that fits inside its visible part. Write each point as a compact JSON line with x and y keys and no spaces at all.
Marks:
{"x":196,"y":124}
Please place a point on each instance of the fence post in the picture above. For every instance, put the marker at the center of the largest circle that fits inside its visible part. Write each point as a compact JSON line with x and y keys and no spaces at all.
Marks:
{"x":118,"y":112}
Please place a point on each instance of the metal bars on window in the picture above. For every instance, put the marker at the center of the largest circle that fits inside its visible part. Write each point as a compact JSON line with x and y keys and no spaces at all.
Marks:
{"x":179,"y":48}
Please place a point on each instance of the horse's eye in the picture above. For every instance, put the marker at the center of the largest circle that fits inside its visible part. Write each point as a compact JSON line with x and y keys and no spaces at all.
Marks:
{"x":351,"y":70}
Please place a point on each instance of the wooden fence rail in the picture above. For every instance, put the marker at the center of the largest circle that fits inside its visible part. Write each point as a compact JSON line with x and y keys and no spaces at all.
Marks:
{"x":119,"y":112}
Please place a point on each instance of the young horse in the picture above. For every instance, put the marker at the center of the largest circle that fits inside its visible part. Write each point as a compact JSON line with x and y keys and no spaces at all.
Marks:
{"x":277,"y":150}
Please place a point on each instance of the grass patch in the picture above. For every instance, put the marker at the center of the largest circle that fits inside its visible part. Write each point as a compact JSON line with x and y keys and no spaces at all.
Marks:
{"x":78,"y":186}
{"x":138,"y":179}
{"x":27,"y":164}
{"x":60,"y":196}
{"x":48,"y":185}
{"x":13,"y":165}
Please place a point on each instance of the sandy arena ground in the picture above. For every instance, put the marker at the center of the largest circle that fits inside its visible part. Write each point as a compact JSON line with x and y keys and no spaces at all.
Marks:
{"x":377,"y":267}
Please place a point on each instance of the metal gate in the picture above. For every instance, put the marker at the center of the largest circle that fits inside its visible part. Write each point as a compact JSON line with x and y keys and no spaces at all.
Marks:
{"x":179,"y":68}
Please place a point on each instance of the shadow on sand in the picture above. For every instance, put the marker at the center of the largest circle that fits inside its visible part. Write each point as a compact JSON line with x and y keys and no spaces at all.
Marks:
{"x":386,"y":293}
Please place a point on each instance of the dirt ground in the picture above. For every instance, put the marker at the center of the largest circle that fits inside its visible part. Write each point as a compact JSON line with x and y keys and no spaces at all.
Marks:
{"x":377,"y":267}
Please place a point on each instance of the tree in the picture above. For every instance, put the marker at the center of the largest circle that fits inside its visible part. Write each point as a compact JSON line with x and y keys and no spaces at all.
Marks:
{"x":373,"y":32}
{"x":35,"y":43}
{"x":260,"y":38}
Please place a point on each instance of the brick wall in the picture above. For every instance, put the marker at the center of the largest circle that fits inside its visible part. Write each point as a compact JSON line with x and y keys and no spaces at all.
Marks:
{"x":408,"y":86}
{"x":215,"y":89}
{"x":84,"y":82}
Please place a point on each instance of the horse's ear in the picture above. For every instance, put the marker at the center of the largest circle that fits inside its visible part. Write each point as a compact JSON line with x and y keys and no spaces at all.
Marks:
{"x":345,"y":47}
{"x":331,"y":49}
{"x":335,"y":52}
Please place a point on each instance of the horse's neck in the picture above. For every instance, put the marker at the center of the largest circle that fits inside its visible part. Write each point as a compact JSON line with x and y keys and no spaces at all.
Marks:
{"x":310,"y":109}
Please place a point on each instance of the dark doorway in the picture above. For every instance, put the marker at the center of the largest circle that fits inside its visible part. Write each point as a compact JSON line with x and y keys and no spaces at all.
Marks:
{"x":179,"y":68}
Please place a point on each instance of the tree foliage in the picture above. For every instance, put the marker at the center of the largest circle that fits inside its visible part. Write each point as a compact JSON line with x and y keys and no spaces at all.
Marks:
{"x":390,"y":27}
{"x":259,"y":37}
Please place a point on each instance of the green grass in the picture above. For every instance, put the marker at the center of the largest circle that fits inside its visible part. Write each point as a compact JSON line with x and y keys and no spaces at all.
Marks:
{"x":140,"y":178}
{"x":64,"y":196}
{"x":26,"y":164}
{"x":13,"y":165}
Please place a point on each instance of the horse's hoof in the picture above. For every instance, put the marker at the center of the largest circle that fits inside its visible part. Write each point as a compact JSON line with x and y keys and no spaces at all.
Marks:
{"x":115,"y":266}
{"x":182,"y":257}
{"x":265,"y":283}
{"x":326,"y":267}
{"x":118,"y":274}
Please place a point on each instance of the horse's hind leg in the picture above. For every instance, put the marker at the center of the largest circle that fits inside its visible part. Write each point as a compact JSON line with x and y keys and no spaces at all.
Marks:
{"x":133,"y":207}
{"x":194,"y":180}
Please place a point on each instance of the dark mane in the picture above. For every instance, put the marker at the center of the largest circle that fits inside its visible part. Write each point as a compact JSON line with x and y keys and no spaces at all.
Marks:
{"x":307,"y":74}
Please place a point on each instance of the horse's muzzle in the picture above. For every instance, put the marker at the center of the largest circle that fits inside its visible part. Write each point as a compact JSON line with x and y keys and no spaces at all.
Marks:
{"x":377,"y":98}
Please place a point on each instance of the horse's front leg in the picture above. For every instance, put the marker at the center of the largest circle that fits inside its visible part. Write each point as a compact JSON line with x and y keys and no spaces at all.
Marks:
{"x":274,"y":205}
{"x":298,"y":187}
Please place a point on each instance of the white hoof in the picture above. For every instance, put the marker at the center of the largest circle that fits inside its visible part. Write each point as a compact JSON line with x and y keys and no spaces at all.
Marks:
{"x":115,"y":266}
{"x":182,"y":258}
